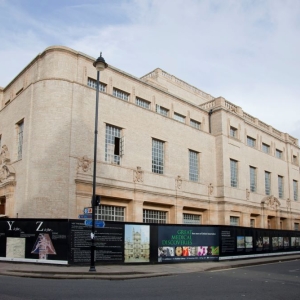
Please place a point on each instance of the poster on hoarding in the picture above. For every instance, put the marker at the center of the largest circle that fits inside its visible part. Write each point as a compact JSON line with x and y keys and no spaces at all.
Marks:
{"x":187,"y":243}
{"x":34,"y":239}
{"x":137,"y":243}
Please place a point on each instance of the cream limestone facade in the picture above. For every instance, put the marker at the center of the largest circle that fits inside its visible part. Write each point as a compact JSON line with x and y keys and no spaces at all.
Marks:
{"x":167,"y":151}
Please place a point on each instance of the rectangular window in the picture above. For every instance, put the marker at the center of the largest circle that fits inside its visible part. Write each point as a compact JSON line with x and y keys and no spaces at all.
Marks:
{"x":179,"y":117}
{"x":278,"y":154}
{"x":296,"y":226}
{"x":93,"y":84}
{"x":191,"y":219}
{"x":265,"y":148}
{"x":154,"y":216}
{"x":280,"y":187}
{"x":233,"y":173}
{"x":252,"y":179}
{"x":110,"y":213}
{"x":20,"y":138}
{"x":252,"y":223}
{"x":233,"y":132}
{"x":251,"y":142}
{"x":194,"y":163}
{"x":295,"y":189}
{"x":195,"y":124}
{"x":161,"y":110}
{"x":157,"y":156}
{"x":267,"y":183}
{"x":234,"y":221}
{"x":295,"y":160}
{"x":142,"y":103}
{"x":114,"y":144}
{"x":121,"y":94}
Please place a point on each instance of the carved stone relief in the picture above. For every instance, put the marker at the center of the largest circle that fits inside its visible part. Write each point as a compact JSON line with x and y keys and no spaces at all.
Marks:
{"x":271,"y":201}
{"x":178,"y":182}
{"x":247,"y":194}
{"x":138,"y":175}
{"x":210,"y":189}
{"x":288,"y":203}
{"x":7,"y":172}
{"x":84,"y":164}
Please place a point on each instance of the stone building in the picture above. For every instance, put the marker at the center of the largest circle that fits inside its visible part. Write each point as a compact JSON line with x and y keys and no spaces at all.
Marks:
{"x":167,"y":151}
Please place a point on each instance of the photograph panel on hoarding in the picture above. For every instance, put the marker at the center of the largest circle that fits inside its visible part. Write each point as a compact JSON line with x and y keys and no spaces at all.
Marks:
{"x":266,"y":242}
{"x":137,"y":244}
{"x":249,"y":242}
{"x":274,"y":242}
{"x":240,"y":240}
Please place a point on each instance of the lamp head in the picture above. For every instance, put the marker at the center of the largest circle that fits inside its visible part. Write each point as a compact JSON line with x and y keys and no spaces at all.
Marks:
{"x":100,"y":63}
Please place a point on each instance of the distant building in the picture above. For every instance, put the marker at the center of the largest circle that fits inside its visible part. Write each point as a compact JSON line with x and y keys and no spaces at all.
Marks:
{"x":136,"y":248}
{"x":167,"y":151}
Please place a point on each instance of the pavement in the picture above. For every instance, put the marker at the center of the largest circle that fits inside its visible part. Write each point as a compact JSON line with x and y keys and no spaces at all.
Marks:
{"x":125,"y":272}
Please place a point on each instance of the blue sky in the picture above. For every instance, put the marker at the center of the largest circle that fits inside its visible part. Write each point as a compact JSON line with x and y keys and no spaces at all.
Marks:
{"x":244,"y":50}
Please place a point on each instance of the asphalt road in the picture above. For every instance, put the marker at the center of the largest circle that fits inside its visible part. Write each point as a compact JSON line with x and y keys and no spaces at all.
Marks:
{"x":272,"y":281}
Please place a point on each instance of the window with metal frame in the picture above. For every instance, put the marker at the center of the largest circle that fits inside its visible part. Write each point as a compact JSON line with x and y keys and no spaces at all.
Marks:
{"x":20,"y":139}
{"x":157,"y":156}
{"x":233,"y":173}
{"x":110,"y":213}
{"x":114,"y":144}
{"x":252,"y":179}
{"x":154,"y":216}
{"x":195,"y":124}
{"x":142,"y":103}
{"x":267,"y":183}
{"x":280,"y":187}
{"x":234,"y":221}
{"x":179,"y":117}
{"x":162,"y":110}
{"x":295,"y":159}
{"x":295,"y":189}
{"x":121,"y":94}
{"x":265,"y":148}
{"x":191,"y":219}
{"x":233,"y":132}
{"x":251,"y":142}
{"x":296,"y":226}
{"x":278,"y":153}
{"x":193,"y":165}
{"x":93,"y":84}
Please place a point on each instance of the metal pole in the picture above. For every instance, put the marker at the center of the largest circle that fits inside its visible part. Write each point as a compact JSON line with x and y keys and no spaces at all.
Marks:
{"x":92,"y":265}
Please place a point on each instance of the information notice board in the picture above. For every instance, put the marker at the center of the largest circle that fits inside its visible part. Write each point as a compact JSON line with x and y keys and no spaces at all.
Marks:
{"x":109,"y":243}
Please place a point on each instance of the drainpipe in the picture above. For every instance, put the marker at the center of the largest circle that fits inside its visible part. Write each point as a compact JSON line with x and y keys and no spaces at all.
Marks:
{"x":209,"y":119}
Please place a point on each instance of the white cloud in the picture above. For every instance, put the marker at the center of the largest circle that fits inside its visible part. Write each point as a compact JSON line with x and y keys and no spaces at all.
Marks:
{"x":246,"y":51}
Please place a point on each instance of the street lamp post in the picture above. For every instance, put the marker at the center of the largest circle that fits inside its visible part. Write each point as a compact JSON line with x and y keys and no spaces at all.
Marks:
{"x":100,"y":65}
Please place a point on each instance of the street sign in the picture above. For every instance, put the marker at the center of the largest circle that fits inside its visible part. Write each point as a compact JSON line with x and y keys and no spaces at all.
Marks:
{"x":87,"y":210}
{"x":85,"y":216}
{"x":98,"y":223}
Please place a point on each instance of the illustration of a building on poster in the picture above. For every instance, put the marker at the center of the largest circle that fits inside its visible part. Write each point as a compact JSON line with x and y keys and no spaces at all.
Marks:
{"x":240,"y":241}
{"x":43,"y":246}
{"x":137,"y":243}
